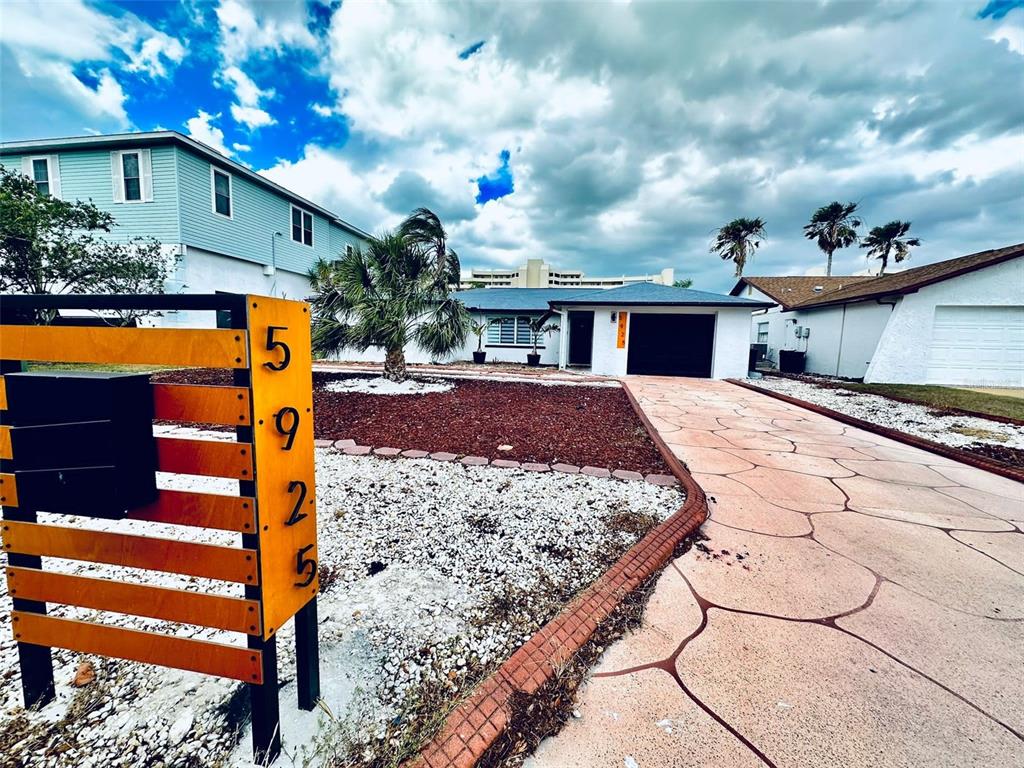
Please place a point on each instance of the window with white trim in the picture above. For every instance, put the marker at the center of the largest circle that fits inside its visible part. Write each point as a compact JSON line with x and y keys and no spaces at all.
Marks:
{"x":132,"y":175}
{"x":302,"y":226}
{"x":762,"y":333}
{"x":349,"y":250}
{"x":509,"y":331}
{"x":44,"y":171}
{"x":221,"y":190}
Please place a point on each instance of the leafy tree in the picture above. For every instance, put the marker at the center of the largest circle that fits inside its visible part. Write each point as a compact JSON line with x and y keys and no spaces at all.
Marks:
{"x":423,"y":231}
{"x":889,"y":240}
{"x":737,"y":241}
{"x":48,"y":245}
{"x":833,"y":226}
{"x":686,"y":282}
{"x":385,"y":296}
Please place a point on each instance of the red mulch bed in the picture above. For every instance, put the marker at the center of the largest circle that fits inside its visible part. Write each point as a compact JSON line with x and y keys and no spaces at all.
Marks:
{"x":578,"y":425}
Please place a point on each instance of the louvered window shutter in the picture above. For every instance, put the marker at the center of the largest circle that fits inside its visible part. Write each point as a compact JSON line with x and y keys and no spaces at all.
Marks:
{"x":146,"y":169}
{"x":117,"y":177}
{"x":53,"y":166}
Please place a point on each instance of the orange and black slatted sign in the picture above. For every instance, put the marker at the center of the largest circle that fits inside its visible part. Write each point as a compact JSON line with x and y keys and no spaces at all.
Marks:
{"x":620,"y":340}
{"x":279,"y":517}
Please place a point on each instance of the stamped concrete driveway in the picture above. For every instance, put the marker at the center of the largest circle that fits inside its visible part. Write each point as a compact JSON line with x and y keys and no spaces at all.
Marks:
{"x":857,"y":603}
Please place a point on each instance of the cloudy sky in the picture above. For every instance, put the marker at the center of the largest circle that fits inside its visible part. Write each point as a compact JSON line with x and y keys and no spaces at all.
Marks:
{"x":611,"y":137}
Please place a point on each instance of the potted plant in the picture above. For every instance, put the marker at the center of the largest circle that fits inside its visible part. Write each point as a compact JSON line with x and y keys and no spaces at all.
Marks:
{"x":538,"y":329}
{"x":478,"y":328}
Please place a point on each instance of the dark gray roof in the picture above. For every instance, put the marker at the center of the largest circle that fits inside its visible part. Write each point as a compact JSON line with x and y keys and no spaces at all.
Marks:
{"x":652,"y":294}
{"x":147,"y":138}
{"x":514,"y":299}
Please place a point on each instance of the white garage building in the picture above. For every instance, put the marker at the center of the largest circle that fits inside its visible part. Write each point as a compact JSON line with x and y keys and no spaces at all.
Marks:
{"x":956,"y":322}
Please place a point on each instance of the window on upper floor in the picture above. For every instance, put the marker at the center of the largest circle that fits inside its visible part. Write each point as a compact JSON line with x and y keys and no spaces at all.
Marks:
{"x":762,"y":333}
{"x":132,"y":173}
{"x":44,"y":171}
{"x":220,"y":183}
{"x":302,"y":226}
{"x":349,"y":249}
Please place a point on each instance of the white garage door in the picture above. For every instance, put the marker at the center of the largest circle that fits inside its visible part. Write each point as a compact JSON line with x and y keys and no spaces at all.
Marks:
{"x":981,"y":346}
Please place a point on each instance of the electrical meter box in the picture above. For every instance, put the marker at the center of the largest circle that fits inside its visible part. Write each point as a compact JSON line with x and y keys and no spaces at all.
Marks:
{"x":82,"y":442}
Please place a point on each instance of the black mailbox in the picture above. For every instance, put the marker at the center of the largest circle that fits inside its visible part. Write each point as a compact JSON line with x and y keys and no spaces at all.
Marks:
{"x":82,"y":443}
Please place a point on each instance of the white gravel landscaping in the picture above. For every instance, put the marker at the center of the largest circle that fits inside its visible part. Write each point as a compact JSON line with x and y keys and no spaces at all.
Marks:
{"x":432,"y":574}
{"x":919,"y":420}
{"x":382,"y":386}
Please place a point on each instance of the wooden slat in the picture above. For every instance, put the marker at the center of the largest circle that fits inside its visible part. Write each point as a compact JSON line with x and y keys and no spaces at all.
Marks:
{"x":150,"y":552}
{"x":218,"y":458}
{"x":209,"y":405}
{"x":203,"y":656}
{"x":202,"y":510}
{"x":3,"y":394}
{"x":8,"y":490}
{"x":5,"y":443}
{"x":234,"y":614}
{"x":208,"y":348}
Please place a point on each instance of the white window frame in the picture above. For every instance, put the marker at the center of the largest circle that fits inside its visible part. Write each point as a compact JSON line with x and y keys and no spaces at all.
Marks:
{"x":765,"y":326}
{"x":214,"y":170}
{"x":349,"y":249}
{"x":312,"y":226}
{"x":519,"y":321}
{"x":52,"y":172}
{"x":145,"y":175}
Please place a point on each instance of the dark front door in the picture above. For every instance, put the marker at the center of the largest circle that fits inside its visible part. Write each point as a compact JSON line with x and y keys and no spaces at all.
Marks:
{"x":581,"y":337}
{"x":671,"y":345}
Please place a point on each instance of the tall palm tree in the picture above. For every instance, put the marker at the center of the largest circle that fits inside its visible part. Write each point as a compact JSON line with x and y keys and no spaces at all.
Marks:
{"x":385,"y":295}
{"x":834,"y":226}
{"x":423,"y":230}
{"x":737,"y":241}
{"x":889,"y":240}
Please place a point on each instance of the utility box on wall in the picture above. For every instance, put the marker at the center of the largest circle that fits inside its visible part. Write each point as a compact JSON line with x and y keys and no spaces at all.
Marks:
{"x":82,"y":443}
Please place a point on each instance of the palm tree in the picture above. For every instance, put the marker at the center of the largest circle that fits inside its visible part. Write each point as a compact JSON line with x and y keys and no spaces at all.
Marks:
{"x":738,"y":240}
{"x":834,"y":226}
{"x":888,"y":240}
{"x":423,"y":230}
{"x":385,"y":296}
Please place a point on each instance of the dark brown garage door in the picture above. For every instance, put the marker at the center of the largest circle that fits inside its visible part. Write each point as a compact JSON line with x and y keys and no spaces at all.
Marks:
{"x":671,"y":345}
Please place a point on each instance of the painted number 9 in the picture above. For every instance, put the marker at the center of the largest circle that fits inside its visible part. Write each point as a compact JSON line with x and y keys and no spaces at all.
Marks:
{"x":292,"y":429}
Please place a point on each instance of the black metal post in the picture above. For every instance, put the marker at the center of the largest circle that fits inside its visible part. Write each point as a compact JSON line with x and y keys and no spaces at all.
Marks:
{"x":307,"y":656}
{"x":263,"y":699}
{"x":36,"y":661}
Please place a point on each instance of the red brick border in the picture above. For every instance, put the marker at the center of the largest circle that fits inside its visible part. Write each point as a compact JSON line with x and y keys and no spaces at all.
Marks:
{"x":965,"y":457}
{"x":476,"y":723}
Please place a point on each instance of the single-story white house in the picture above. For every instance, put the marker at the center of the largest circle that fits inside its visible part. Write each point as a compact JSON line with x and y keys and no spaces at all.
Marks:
{"x":955,"y":322}
{"x":641,"y":328}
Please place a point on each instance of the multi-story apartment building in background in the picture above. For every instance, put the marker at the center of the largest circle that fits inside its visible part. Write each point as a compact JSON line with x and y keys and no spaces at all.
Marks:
{"x":232,"y":229}
{"x":537,"y":273}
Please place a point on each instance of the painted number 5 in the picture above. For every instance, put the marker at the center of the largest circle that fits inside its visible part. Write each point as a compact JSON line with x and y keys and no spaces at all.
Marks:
{"x":272,"y":344}
{"x":305,"y":565}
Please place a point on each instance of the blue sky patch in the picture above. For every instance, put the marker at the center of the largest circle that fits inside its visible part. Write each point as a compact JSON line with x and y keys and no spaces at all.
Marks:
{"x":497,"y":184}
{"x":997,"y":9}
{"x":471,"y":50}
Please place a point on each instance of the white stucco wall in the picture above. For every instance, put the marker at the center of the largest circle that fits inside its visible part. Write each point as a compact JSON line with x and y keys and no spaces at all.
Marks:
{"x":548,"y":348}
{"x":731,"y":347}
{"x":842,"y":339}
{"x":200,"y":271}
{"x":903,"y":354}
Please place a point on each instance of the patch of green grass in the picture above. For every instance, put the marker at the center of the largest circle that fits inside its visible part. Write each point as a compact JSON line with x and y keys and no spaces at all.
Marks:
{"x":945,"y":397}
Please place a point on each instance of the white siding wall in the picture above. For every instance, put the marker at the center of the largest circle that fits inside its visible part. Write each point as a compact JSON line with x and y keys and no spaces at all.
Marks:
{"x":902,"y":356}
{"x":732,"y":339}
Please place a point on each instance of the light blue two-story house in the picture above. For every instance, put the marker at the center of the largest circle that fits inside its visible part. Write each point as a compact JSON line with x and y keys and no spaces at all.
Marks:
{"x":232,"y":229}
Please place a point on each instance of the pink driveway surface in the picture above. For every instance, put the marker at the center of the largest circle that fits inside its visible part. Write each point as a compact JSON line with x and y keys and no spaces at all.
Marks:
{"x":857,"y":603}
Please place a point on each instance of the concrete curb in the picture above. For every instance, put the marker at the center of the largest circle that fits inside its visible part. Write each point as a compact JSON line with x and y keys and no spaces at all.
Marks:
{"x":478,"y":722}
{"x":964,"y":457}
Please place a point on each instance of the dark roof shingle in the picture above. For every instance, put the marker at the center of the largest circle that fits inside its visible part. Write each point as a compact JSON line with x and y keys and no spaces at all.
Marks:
{"x":792,"y":290}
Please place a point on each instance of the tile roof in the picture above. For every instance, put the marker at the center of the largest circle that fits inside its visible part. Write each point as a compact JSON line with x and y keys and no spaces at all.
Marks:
{"x":799,"y":293}
{"x":514,"y":299}
{"x":790,"y":291}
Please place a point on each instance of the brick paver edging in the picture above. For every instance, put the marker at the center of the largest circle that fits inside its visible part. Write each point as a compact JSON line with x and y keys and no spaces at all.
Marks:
{"x":476,"y":723}
{"x":964,"y":457}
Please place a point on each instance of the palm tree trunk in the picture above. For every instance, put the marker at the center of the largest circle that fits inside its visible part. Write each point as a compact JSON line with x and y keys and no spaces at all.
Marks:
{"x":828,"y":267}
{"x":394,"y":365}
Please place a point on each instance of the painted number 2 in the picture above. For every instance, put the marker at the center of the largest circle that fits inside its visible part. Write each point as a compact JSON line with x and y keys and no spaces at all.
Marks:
{"x":272,"y":344}
{"x":297,"y":513}
{"x":305,"y":565}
